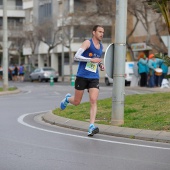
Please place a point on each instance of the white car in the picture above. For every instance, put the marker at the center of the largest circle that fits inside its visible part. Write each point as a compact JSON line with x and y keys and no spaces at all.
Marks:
{"x":128,"y":74}
{"x":44,"y":73}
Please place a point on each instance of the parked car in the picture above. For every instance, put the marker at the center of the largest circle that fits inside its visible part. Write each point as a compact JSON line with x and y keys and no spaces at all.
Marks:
{"x":128,"y":74}
{"x":44,"y":74}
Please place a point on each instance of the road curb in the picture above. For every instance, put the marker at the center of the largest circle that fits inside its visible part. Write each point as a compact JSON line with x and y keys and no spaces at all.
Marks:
{"x":148,"y":135}
{"x":9,"y":92}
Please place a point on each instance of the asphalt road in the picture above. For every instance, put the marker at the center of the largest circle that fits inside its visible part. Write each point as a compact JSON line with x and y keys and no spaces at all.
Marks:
{"x":27,"y":143}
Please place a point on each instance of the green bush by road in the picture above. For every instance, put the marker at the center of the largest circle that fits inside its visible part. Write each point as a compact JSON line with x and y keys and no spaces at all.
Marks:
{"x":147,"y":111}
{"x":9,"y":89}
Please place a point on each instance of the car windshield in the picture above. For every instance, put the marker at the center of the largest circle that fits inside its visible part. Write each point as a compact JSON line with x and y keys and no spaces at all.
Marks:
{"x":48,"y":69}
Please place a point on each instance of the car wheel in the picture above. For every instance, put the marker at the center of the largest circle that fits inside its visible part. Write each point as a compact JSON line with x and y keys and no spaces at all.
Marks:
{"x":39,"y":79}
{"x":127,"y":83}
{"x":31,"y":79}
{"x":107,"y":82}
{"x":56,"y":80}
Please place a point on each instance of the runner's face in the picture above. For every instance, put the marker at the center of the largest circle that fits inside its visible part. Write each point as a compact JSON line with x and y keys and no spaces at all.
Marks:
{"x":98,"y":34}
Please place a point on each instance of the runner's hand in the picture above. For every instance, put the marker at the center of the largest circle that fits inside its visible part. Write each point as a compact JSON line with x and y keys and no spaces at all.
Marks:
{"x":96,"y":60}
{"x":102,"y":68}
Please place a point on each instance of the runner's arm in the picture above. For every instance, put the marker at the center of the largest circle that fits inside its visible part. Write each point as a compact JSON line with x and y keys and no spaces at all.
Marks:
{"x":78,"y":56}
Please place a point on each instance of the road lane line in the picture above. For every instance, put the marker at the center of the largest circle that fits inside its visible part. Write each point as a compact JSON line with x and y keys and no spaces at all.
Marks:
{"x":21,"y":121}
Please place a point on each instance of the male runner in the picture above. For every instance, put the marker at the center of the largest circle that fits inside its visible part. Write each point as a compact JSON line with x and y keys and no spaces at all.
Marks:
{"x":89,"y":57}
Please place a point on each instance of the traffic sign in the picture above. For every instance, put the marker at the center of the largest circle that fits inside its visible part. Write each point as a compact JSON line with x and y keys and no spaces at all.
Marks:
{"x":109,"y":60}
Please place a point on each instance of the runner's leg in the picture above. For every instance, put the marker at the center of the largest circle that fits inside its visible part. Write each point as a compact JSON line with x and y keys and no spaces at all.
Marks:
{"x":93,"y":95}
{"x":76,"y":99}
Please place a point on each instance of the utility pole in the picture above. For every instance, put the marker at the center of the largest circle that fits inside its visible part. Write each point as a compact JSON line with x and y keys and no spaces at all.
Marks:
{"x":119,"y":63}
{"x":62,"y":55}
{"x":5,"y":47}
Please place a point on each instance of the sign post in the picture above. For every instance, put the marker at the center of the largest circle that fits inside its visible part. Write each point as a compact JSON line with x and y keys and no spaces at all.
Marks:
{"x":118,"y":93}
{"x":5,"y":47}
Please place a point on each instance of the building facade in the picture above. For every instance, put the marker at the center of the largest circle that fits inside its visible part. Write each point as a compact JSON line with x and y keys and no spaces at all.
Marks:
{"x":71,"y":22}
{"x":72,"y":30}
{"x":16,"y":16}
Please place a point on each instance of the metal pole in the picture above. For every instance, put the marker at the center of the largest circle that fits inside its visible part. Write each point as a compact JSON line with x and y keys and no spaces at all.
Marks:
{"x":5,"y":47}
{"x":119,"y":63}
{"x":168,"y":45}
{"x":62,"y":56}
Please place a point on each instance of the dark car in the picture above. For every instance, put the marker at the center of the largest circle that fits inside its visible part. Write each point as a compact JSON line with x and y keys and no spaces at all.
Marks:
{"x":44,"y":74}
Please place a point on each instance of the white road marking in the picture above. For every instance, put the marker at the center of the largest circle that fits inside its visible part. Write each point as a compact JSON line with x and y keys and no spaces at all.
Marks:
{"x":21,"y":121}
{"x":56,"y":93}
{"x":28,"y":92}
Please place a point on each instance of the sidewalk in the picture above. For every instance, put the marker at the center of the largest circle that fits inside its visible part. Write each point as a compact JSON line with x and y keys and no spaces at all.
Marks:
{"x":157,"y":136}
{"x":154,"y":89}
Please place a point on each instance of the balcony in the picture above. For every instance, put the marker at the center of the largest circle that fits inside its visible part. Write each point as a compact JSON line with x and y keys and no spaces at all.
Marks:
{"x":12,"y":7}
{"x":15,"y":11}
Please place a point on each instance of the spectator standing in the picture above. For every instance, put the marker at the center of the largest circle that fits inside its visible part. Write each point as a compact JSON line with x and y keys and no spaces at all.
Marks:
{"x":21,"y":72}
{"x":15,"y":73}
{"x":152,"y":67}
{"x":1,"y":72}
{"x":158,"y":78}
{"x":143,"y":69}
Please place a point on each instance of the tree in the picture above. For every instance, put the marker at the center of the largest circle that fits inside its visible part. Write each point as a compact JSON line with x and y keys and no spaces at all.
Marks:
{"x":32,"y":42}
{"x":18,"y":39}
{"x":48,"y":33}
{"x":151,"y":23}
{"x":163,"y":7}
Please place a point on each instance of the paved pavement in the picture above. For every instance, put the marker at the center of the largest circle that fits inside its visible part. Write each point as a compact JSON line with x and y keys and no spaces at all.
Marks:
{"x":158,"y":136}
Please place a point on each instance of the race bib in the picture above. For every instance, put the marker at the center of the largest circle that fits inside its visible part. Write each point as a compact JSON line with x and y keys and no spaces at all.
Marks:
{"x":91,"y":67}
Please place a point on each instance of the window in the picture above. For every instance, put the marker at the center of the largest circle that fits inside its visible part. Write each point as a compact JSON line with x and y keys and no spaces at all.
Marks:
{"x":82,"y":31}
{"x":107,"y":31}
{"x":79,"y":5}
{"x":18,"y":2}
{"x":1,"y":20}
{"x":45,"y":10}
{"x":15,"y":22}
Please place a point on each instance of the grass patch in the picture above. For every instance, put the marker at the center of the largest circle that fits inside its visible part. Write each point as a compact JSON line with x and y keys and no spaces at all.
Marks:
{"x":9,"y":89}
{"x":147,"y":111}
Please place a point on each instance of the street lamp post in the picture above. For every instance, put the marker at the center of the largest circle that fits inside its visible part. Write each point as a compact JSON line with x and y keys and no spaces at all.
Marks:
{"x":62,"y":55}
{"x":119,"y":63}
{"x":5,"y":47}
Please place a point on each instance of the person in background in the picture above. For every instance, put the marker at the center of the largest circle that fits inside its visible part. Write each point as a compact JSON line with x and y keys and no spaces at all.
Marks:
{"x":158,"y":80}
{"x":21,"y":72}
{"x":89,"y":57}
{"x":1,"y":72}
{"x":152,"y":67}
{"x":143,"y":69}
{"x":164,"y":68}
{"x":9,"y":73}
{"x":15,"y":73}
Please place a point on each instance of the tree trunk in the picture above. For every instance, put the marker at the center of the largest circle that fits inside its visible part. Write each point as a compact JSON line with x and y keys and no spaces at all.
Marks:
{"x":70,"y":61}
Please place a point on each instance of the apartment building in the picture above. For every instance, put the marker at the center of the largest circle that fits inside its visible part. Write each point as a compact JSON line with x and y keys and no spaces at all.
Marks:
{"x":75,"y":19}
{"x":16,"y":16}
{"x":76,"y":29}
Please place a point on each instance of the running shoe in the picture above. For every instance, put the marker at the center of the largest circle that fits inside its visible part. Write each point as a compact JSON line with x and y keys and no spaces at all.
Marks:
{"x":93,"y":130}
{"x":65,"y":102}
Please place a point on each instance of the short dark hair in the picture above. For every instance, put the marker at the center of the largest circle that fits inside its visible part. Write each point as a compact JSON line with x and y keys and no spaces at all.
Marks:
{"x":96,"y":26}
